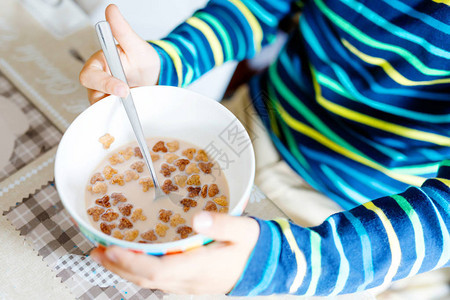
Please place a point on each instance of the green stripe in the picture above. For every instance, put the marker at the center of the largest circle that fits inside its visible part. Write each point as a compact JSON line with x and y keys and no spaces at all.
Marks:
{"x":298,"y":105}
{"x":445,"y":163}
{"x":364,"y":38}
{"x":418,"y":231}
{"x":292,"y":144}
{"x":316,"y":262}
{"x":417,"y":169}
{"x":332,"y":85}
{"x":189,"y":74}
{"x":213,"y":22}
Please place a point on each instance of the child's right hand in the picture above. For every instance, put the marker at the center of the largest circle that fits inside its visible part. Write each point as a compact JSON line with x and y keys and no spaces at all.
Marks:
{"x":140,"y":61}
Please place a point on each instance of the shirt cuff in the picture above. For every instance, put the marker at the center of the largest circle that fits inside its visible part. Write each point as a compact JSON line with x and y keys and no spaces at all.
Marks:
{"x":167,"y":73}
{"x":256,"y":267}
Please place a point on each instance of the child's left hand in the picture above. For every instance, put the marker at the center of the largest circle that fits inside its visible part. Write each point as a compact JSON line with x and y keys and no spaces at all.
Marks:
{"x":212,"y":269}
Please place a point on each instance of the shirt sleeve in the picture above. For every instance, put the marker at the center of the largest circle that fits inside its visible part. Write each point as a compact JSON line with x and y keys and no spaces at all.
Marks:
{"x":222,"y":31}
{"x":371,"y":245}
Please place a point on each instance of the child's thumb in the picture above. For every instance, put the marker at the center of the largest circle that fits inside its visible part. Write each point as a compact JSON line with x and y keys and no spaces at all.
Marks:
{"x":121,"y":30}
{"x":218,"y":226}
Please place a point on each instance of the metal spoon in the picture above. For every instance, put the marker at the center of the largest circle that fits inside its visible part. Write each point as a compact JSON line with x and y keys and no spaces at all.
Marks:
{"x":109,"y":48}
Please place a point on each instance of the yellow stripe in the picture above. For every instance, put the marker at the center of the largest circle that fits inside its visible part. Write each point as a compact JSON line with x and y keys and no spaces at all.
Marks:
{"x":394,"y":244}
{"x":174,"y":56}
{"x":389,"y":69}
{"x":299,"y":257}
{"x":444,"y":181}
{"x":447,"y":2}
{"x":254,"y":24}
{"x":317,"y":136}
{"x":377,"y":123}
{"x":213,"y":41}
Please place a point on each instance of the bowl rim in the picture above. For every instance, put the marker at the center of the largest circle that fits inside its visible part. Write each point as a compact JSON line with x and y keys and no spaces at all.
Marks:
{"x":155,"y":247}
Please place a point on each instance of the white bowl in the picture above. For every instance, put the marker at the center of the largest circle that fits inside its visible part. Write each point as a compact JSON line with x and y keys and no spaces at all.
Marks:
{"x":164,"y":112}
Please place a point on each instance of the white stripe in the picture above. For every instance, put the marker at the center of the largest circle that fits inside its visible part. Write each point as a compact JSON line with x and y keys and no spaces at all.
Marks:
{"x":22,"y":179}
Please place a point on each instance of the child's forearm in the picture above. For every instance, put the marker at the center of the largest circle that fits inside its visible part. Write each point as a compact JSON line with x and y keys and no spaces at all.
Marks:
{"x":373,"y":244}
{"x":220,"y":32}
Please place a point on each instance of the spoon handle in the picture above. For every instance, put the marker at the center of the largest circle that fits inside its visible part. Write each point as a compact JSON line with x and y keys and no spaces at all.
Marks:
{"x":109,"y":48}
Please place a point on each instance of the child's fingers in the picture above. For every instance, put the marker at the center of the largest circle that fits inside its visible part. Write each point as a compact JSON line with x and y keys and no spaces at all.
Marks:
{"x":122,"y":31}
{"x":96,"y":79}
{"x":99,"y":256}
{"x":223,"y":227}
{"x":95,"y":96}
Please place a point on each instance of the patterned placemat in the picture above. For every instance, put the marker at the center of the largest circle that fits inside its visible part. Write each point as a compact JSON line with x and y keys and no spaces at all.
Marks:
{"x":44,"y":222}
{"x":38,"y":139}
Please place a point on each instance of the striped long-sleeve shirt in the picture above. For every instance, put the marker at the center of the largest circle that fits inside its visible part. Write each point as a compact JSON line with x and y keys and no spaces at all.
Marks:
{"x":358,"y":103}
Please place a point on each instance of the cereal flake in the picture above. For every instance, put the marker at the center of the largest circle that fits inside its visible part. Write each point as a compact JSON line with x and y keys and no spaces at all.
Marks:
{"x":170,"y":157}
{"x":193,"y":180}
{"x":106,"y":228}
{"x":149,"y":235}
{"x":95,"y":212}
{"x":159,"y":146}
{"x":100,"y":188}
{"x":137,"y":215}
{"x":96,"y":177}
{"x":161,"y":229}
{"x":125,"y":209}
{"x":164,"y":215}
{"x":193,"y":191}
{"x":115,"y":159}
{"x":109,"y":216}
{"x":118,"y":179}
{"x":173,"y":146}
{"x":210,"y":206}
{"x":168,"y":186}
{"x":146,"y":183}
{"x":222,"y":200}
{"x":184,"y":231}
{"x":201,"y":156}
{"x":180,"y":180}
{"x":205,"y":167}
{"x":188,"y":203}
{"x":103,"y":201}
{"x":131,"y":235}
{"x":109,"y":171}
{"x":131,"y":175}
{"x":189,"y":153}
{"x":177,"y":220}
{"x":213,"y":190}
{"x":166,"y":170}
{"x":125,"y":223}
{"x":106,"y":140}
{"x":192,"y":168}
{"x":138,"y":166}
{"x":118,"y":197}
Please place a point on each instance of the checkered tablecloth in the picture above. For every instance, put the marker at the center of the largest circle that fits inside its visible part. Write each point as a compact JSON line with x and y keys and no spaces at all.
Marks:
{"x":39,"y":138}
{"x":44,"y":222}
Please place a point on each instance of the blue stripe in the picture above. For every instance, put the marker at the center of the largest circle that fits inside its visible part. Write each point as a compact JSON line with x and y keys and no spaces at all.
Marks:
{"x":436,"y":24}
{"x":261,"y":13}
{"x":365,"y":179}
{"x":192,"y":50}
{"x":194,"y":36}
{"x":393,"y":29}
{"x":343,"y":186}
{"x":272,"y":262}
{"x":348,"y":84}
{"x":366,"y":249}
{"x":344,"y":266}
{"x":368,"y":77}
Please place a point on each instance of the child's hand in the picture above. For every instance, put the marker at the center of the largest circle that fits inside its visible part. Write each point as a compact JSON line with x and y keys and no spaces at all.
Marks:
{"x":212,"y":269}
{"x":140,"y":62}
